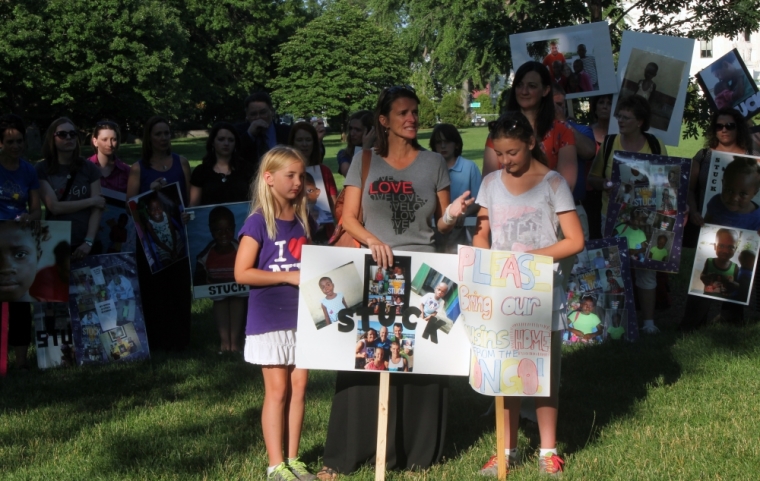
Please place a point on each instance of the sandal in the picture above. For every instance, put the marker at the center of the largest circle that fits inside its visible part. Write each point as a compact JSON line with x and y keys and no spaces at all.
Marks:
{"x":327,"y":474}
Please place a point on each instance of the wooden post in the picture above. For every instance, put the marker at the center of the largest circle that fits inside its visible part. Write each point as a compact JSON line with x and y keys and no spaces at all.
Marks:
{"x":500,"y":442}
{"x":4,"y":341}
{"x":382,"y":425}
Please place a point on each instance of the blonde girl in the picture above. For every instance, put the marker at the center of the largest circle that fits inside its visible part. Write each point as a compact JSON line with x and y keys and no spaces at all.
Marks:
{"x":269,"y":260}
{"x":525,"y":191}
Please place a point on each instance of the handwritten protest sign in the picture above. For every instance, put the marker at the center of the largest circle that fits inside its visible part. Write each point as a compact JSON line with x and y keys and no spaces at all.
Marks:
{"x":506,"y":300}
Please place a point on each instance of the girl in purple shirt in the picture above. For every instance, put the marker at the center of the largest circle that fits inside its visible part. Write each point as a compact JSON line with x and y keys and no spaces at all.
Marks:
{"x":269,"y":260}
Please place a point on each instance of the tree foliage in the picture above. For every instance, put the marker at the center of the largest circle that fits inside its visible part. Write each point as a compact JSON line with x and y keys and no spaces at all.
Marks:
{"x":451,"y":110}
{"x":427,"y":112}
{"x":337,"y":64}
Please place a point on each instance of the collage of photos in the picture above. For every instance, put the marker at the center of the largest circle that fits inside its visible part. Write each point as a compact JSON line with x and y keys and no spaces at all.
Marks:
{"x":158,"y":220}
{"x":439,"y":297}
{"x":116,"y":233}
{"x":385,"y":290}
{"x":579,"y":57}
{"x":52,"y":335}
{"x":211,"y":233}
{"x":727,"y":83}
{"x":655,"y":68}
{"x":645,"y":209}
{"x":725,"y":263}
{"x":327,"y":295}
{"x":377,"y":350}
{"x":106,"y":310}
{"x":600,"y":295}
{"x":37,"y":254}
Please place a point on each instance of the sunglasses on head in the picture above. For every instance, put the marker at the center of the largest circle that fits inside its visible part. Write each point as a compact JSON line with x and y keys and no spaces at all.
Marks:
{"x":399,"y":88}
{"x":66,"y":134}
{"x":729,"y":126}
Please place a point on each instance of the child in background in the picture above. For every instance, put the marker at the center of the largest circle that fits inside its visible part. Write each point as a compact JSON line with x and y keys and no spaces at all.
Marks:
{"x":526,"y":190}
{"x":719,"y":273}
{"x":333,"y":301}
{"x":646,"y":87}
{"x":659,"y":252}
{"x":267,"y":262}
{"x":464,"y":175}
{"x":732,"y":207}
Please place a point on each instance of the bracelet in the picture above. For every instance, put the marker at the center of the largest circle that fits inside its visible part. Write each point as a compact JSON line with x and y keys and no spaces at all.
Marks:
{"x":449,"y":219}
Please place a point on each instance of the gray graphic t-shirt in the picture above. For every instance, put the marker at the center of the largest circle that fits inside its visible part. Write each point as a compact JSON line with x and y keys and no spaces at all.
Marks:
{"x":398,"y":204}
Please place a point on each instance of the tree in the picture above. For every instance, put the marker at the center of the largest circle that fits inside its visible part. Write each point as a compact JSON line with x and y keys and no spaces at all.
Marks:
{"x":427,"y":112}
{"x":336,"y":64}
{"x":486,"y":107}
{"x":451,"y":111}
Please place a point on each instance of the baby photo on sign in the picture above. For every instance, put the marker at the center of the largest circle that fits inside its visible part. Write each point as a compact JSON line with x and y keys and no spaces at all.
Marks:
{"x":727,"y":83}
{"x":724,"y":265}
{"x":578,"y":58}
{"x":438,"y":297}
{"x":327,"y":295}
{"x":386,"y":291}
{"x":379,"y":350}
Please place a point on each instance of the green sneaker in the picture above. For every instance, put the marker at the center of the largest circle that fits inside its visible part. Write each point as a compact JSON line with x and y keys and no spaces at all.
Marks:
{"x":281,"y":473}
{"x":551,"y":464}
{"x":299,"y":470}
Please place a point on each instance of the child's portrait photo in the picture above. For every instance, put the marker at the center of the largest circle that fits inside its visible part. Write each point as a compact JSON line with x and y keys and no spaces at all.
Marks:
{"x":625,"y":194}
{"x":36,"y":261}
{"x":724,"y":263}
{"x":158,"y":220}
{"x":582,"y":262}
{"x":436,"y":296}
{"x":660,"y":245}
{"x":727,"y":82}
{"x":584,"y":324}
{"x":634,"y":172}
{"x":733,"y":197}
{"x":632,"y":225}
{"x":666,"y":200}
{"x":328,"y":294}
{"x":612,"y":281}
{"x":115,"y":232}
{"x":615,"y":324}
{"x":212,"y":242}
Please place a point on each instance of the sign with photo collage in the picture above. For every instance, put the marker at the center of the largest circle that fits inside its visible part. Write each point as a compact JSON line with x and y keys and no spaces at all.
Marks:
{"x":355,"y":315}
{"x":600,"y":294}
{"x":647,"y":206}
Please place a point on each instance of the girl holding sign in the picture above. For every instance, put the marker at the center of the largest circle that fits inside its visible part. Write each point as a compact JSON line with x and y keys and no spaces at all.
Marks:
{"x":526,"y":192}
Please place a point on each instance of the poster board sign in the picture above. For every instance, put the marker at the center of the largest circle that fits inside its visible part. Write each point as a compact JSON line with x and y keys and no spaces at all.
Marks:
{"x":647,"y":206}
{"x":727,"y":83}
{"x":506,"y":298}
{"x":725,"y":264}
{"x":399,"y":304}
{"x":584,"y":51}
{"x":601,"y":279}
{"x":319,"y":204}
{"x":38,"y":253}
{"x":115,"y":232}
{"x":52,"y":334}
{"x":106,"y":310}
{"x":157,"y":217}
{"x":718,"y":163}
{"x":211,"y":234}
{"x":655,"y":67}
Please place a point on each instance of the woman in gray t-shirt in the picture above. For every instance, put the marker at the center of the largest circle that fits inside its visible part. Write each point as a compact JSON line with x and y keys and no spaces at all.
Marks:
{"x":404,"y":189}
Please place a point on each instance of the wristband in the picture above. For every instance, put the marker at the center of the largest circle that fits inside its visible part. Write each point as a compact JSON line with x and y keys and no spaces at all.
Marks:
{"x":88,"y":241}
{"x":448,"y":219}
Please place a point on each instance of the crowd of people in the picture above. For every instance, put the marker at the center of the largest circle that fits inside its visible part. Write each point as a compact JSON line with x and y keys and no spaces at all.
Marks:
{"x":537,"y":161}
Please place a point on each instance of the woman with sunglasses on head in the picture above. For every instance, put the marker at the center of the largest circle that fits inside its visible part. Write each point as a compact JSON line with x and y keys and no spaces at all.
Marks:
{"x":106,"y":138}
{"x":19,"y":201}
{"x":531,"y":94}
{"x":222,"y":177}
{"x":166,"y":294}
{"x":728,"y":132}
{"x":418,"y":404}
{"x":70,"y":186}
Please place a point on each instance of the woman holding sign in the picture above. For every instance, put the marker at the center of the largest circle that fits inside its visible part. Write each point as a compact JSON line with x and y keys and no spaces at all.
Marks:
{"x":418,"y":403}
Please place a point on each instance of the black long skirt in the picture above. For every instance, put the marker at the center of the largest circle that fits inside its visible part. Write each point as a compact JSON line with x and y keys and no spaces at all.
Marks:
{"x":418,"y":408}
{"x":166,"y":301}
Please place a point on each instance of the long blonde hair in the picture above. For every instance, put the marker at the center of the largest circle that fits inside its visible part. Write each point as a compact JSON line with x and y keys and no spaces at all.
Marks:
{"x":276,"y":159}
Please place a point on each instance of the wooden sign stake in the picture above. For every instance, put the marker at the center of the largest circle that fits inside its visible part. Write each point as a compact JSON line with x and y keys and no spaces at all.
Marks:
{"x":382,"y":426}
{"x":4,"y":341}
{"x":501,"y":462}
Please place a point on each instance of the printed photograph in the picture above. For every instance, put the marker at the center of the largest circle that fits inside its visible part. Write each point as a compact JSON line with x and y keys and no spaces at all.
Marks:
{"x":615,"y":324}
{"x":436,"y":296}
{"x":721,"y":175}
{"x":660,"y":245}
{"x":327,"y":295}
{"x":582,"y":262}
{"x":666,"y":199}
{"x":727,"y":83}
{"x":584,"y":323}
{"x":52,"y":335}
{"x":382,"y":348}
{"x":319,"y":204}
{"x":385,"y":290}
{"x":37,"y":254}
{"x":115,"y":233}
{"x":158,"y":220}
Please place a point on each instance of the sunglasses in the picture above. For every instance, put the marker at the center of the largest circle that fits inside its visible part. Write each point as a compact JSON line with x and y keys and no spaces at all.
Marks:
{"x":729,"y":126}
{"x":508,"y":125}
{"x":66,"y":134}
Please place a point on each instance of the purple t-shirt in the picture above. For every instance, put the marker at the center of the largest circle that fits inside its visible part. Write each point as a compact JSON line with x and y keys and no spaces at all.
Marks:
{"x":274,"y":308}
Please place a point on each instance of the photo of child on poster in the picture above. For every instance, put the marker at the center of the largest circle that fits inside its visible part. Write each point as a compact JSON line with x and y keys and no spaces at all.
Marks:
{"x":439,"y":297}
{"x":158,"y":220}
{"x":116,"y":233}
{"x":615,"y":324}
{"x":106,"y":310}
{"x":724,"y":265}
{"x":385,"y":290}
{"x":578,"y":58}
{"x":52,"y":334}
{"x":328,"y":294}
{"x":319,"y":204}
{"x":585,"y":322}
{"x":36,"y":255}
{"x":732,"y":171}
{"x":212,"y":247}
{"x":727,"y":83}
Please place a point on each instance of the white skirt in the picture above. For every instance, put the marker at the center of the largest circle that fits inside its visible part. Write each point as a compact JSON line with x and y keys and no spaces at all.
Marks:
{"x":276,"y":348}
